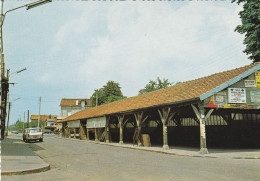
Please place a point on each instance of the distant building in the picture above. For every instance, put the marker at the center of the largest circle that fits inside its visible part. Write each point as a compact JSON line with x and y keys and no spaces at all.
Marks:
{"x":43,"y":117}
{"x":71,"y":106}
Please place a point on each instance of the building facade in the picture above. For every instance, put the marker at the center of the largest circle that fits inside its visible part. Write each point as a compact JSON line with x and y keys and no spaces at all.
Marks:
{"x":71,"y":106}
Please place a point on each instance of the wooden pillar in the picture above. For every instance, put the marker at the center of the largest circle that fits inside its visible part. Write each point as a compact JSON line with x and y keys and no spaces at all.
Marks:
{"x":69,"y":132}
{"x":122,"y":123}
{"x":165,"y":117}
{"x":139,"y":121}
{"x":202,"y":117}
{"x":121,"y":134}
{"x":107,"y":129}
{"x":63,"y":130}
{"x":87,"y":134}
{"x":82,"y":132}
{"x":74,"y":132}
{"x":96,"y":134}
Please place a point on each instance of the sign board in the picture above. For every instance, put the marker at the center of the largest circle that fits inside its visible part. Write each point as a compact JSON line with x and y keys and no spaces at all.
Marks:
{"x":73,"y":124}
{"x":220,"y":99}
{"x":255,"y":96}
{"x":250,"y":83}
{"x":257,"y":79}
{"x":237,"y":95}
{"x":96,"y":122}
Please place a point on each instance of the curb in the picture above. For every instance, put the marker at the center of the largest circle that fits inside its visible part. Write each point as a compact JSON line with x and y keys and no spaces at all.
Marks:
{"x":24,"y":172}
{"x":161,"y":151}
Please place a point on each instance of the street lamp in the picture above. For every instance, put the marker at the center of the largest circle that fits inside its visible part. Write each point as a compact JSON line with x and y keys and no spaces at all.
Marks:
{"x":3,"y":79}
{"x":9,"y":108}
{"x":37,"y":3}
{"x":18,"y":71}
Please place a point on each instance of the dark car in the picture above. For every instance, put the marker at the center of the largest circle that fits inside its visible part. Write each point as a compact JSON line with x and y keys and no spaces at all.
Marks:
{"x":47,"y":131}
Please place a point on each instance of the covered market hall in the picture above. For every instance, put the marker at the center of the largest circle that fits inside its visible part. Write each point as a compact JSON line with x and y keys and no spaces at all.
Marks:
{"x":220,"y":110}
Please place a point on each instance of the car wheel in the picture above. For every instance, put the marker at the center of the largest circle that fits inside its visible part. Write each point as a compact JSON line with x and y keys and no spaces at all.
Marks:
{"x":41,"y":140}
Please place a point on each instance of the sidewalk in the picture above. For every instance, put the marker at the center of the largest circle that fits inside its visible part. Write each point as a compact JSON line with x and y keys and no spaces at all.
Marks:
{"x":189,"y":151}
{"x":17,"y":157}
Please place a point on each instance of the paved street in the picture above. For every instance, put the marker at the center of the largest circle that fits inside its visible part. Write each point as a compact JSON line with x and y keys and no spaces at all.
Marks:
{"x":79,"y":160}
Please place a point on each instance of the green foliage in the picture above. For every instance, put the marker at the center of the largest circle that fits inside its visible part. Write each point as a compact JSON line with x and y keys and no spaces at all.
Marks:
{"x":250,"y":18}
{"x":155,"y":85}
{"x":19,"y":125}
{"x":34,"y":123}
{"x":98,"y":95}
{"x":109,"y":93}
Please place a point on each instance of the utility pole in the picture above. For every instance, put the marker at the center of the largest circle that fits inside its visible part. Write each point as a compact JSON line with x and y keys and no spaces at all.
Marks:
{"x":2,"y":117}
{"x":28,"y":120}
{"x":23,"y":121}
{"x":39,"y":111}
{"x":9,"y":107}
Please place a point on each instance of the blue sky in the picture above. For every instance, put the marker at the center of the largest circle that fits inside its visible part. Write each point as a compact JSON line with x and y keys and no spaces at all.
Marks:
{"x":71,"y":47}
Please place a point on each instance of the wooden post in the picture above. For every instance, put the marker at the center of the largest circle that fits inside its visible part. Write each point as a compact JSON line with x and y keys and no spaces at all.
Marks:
{"x":82,"y":132}
{"x":87,"y":134}
{"x":69,"y":135}
{"x":139,"y":121}
{"x":122,"y":123}
{"x":107,"y":129}
{"x":121,"y":134}
{"x":200,"y":113}
{"x":74,"y":132}
{"x":96,"y":135}
{"x":165,"y":117}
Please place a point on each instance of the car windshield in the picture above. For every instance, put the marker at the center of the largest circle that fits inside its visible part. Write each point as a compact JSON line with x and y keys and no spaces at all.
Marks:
{"x":35,"y":130}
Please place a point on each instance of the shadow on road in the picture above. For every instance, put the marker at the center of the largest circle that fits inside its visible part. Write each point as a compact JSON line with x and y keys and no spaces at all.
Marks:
{"x":16,"y":147}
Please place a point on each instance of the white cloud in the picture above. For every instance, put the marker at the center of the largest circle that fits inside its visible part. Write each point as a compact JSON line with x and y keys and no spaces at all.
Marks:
{"x":133,"y":42}
{"x":73,"y":47}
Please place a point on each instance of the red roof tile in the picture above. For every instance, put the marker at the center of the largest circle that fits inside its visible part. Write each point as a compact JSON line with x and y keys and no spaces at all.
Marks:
{"x":74,"y":102}
{"x":43,"y":117}
{"x":178,"y":93}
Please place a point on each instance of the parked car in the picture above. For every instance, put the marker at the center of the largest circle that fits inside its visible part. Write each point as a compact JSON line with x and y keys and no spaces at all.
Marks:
{"x":47,"y":131}
{"x":15,"y":132}
{"x":33,"y":134}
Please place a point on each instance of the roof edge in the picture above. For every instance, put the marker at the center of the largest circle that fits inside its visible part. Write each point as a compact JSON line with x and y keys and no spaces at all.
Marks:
{"x":140,"y":109}
{"x":230,"y":82}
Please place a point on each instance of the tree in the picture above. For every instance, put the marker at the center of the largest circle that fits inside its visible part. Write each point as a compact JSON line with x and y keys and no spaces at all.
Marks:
{"x":155,"y":85}
{"x":98,"y":96}
{"x":109,"y":93}
{"x":250,"y":18}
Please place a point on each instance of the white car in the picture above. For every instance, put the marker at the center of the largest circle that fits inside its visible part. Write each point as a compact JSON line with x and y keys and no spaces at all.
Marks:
{"x":33,"y":134}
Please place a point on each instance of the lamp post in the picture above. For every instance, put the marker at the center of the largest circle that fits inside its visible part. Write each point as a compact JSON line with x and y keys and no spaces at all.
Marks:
{"x":9,"y":108}
{"x":10,"y":102}
{"x":19,"y":71}
{"x":3,"y":79}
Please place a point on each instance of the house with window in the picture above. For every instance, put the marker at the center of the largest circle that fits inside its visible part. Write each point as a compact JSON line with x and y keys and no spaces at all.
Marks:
{"x":71,"y":106}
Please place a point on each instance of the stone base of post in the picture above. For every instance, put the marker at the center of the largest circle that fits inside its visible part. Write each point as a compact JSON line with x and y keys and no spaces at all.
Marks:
{"x":96,"y":140}
{"x":107,"y":141}
{"x":204,"y":151}
{"x":121,"y":142}
{"x":166,"y":147}
{"x":139,"y":144}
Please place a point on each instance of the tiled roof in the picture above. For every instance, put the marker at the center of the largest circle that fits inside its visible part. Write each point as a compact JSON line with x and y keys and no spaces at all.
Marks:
{"x":43,"y":117}
{"x":74,"y":102}
{"x":183,"y":92}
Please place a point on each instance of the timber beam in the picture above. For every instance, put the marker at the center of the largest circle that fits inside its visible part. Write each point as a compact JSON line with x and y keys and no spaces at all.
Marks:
{"x":166,"y":116}
{"x":202,"y":116}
